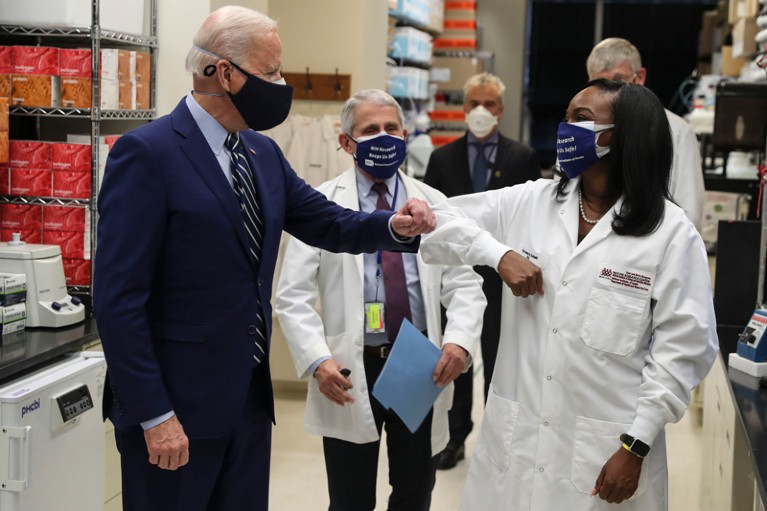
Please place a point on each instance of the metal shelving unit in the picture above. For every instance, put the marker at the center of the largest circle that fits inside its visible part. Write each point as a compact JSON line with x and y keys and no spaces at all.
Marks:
{"x":95,"y":35}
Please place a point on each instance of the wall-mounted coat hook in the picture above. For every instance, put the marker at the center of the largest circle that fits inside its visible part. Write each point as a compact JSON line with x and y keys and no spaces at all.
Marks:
{"x":330,"y":87}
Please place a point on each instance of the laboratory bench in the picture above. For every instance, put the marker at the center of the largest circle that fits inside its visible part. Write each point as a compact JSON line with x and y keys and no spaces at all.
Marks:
{"x":28,"y":349}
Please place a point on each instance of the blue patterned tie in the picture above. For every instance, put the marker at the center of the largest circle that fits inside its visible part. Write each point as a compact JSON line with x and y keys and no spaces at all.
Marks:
{"x":245,"y":191}
{"x":479,"y":171}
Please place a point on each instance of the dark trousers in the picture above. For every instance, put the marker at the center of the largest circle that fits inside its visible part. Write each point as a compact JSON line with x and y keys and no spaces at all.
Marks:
{"x":352,"y":468}
{"x":459,"y":415}
{"x":223,"y":474}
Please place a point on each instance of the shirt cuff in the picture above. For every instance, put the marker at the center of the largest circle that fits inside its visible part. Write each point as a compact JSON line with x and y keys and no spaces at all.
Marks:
{"x":314,"y":366}
{"x":157,"y":420}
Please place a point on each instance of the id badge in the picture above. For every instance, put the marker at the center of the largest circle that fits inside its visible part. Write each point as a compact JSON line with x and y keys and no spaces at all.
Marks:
{"x":374,"y":318}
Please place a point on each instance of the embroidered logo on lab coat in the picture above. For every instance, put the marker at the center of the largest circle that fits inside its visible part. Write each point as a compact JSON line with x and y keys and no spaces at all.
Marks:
{"x":626,"y":279}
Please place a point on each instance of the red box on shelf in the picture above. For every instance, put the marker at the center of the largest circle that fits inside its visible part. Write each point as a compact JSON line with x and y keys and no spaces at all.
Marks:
{"x":35,"y":60}
{"x":30,"y":154}
{"x":5,"y":180}
{"x":71,"y":157}
{"x":62,"y":218}
{"x":77,"y":272}
{"x":27,"y":235}
{"x":31,"y":182}
{"x":71,"y":185}
{"x":75,"y":62}
{"x":21,"y":216}
{"x":6,"y":60}
{"x":72,"y":243}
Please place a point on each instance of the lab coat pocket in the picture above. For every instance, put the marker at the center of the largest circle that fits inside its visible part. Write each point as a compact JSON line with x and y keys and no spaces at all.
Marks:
{"x":497,"y":430}
{"x":612,"y":321}
{"x":594,"y":443}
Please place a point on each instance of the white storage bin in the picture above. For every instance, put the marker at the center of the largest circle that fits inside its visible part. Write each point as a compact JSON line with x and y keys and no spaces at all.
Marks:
{"x":116,"y":15}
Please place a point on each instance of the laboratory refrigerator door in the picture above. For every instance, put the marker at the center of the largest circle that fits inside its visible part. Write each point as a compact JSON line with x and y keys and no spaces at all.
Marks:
{"x":52,"y":437}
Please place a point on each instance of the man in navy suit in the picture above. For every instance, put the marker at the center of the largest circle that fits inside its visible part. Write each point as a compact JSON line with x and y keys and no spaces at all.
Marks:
{"x":482,"y":159}
{"x":183,"y":277}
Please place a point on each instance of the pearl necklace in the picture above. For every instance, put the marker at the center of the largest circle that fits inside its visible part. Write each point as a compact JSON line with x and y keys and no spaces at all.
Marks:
{"x":583,"y":213}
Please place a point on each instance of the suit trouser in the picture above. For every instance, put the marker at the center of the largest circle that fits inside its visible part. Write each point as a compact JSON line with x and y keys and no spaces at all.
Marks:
{"x":352,"y":468}
{"x":459,"y":415}
{"x":223,"y":474}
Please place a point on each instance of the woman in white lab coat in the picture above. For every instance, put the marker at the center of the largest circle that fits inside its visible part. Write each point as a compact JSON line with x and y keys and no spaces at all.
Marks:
{"x":602,"y":346}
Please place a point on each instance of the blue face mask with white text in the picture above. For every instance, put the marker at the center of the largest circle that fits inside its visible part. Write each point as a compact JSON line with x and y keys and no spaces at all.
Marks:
{"x":577,"y":148}
{"x":380,"y":155}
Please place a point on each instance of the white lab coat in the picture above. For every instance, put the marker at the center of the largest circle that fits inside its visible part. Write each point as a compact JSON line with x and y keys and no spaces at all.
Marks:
{"x":624,"y":331}
{"x":686,"y":181}
{"x":338,"y":329}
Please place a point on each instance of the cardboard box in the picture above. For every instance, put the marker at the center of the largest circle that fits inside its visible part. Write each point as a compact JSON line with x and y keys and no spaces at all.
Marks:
{"x":126,"y":99}
{"x":77,"y":272}
{"x":13,"y":288}
{"x":4,"y":148}
{"x":76,"y":92}
{"x":460,"y":10}
{"x":31,"y":154}
{"x":5,"y":180}
{"x":75,"y":62}
{"x":6,"y":60}
{"x":110,"y":94}
{"x":35,"y":60}
{"x":14,"y":318}
{"x":467,"y":43}
{"x":5,"y":86}
{"x":731,"y":66}
{"x":31,"y":182}
{"x":143,"y":67}
{"x":21,"y":216}
{"x":72,"y":185}
{"x":143,"y":99}
{"x":118,"y":15}
{"x":62,"y":218}
{"x":72,"y":243}
{"x":442,"y":137}
{"x":27,"y":235}
{"x":35,"y":90}
{"x":4,"y":114}
{"x":744,"y":37}
{"x":126,"y":65}
{"x":71,"y":157}
{"x":739,"y":9}
{"x":436,"y":15}
{"x":451,"y":73}
{"x":110,"y":60}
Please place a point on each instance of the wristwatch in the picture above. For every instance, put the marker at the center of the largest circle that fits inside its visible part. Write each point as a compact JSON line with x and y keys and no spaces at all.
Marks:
{"x":634,"y":445}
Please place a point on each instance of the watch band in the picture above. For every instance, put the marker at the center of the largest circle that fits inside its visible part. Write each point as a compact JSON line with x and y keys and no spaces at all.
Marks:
{"x":634,"y":445}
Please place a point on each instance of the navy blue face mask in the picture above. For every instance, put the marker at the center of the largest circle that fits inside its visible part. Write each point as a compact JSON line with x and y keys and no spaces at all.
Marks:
{"x":577,"y":148}
{"x":380,"y":155}
{"x":262,"y":104}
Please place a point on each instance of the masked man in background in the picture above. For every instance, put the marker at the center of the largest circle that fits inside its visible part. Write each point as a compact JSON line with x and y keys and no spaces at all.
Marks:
{"x":481,"y":160}
{"x":355,"y":291}
{"x":191,"y":212}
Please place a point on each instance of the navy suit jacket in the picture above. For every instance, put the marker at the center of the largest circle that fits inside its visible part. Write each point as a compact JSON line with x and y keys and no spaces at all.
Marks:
{"x":175,"y":292}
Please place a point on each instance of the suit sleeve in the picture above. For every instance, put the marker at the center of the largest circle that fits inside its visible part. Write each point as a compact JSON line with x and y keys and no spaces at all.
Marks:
{"x":130,"y":232}
{"x":433,"y":172}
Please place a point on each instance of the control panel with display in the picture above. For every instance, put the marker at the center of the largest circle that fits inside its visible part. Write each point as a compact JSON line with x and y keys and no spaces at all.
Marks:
{"x":74,"y":403}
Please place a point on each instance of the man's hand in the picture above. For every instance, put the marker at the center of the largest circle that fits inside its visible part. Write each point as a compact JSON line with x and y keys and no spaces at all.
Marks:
{"x":450,"y":365}
{"x":332,"y":383}
{"x":414,"y":218}
{"x":523,"y":277}
{"x":619,"y":478}
{"x":167,"y":444}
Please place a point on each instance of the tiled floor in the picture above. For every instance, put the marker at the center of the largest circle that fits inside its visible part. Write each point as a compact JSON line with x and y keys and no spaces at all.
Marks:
{"x":298,"y":472}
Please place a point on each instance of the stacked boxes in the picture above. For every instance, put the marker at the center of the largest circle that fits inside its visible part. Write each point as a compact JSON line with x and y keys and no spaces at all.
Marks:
{"x":75,"y":68}
{"x":35,"y":78}
{"x":6,"y":68}
{"x":460,"y":24}
{"x":411,"y":44}
{"x":13,"y":306}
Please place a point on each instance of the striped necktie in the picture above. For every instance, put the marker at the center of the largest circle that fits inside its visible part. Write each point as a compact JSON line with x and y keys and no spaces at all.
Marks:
{"x":245,"y":191}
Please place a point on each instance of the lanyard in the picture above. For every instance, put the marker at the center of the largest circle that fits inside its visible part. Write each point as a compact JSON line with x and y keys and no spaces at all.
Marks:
{"x":378,"y":256}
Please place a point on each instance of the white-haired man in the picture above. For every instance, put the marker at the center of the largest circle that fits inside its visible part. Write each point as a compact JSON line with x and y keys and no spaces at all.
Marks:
{"x":346,"y":333}
{"x":191,"y":212}
{"x":615,"y":58}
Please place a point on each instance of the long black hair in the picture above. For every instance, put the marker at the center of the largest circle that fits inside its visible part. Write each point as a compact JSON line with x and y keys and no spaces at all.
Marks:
{"x":641,"y":154}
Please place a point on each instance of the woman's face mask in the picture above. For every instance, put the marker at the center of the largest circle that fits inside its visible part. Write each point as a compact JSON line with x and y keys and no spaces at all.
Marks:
{"x":577,"y":148}
{"x":262,"y":104}
{"x":380,"y":155}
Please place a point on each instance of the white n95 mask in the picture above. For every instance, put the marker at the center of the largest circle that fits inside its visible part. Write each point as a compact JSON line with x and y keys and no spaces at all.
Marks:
{"x":481,"y":122}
